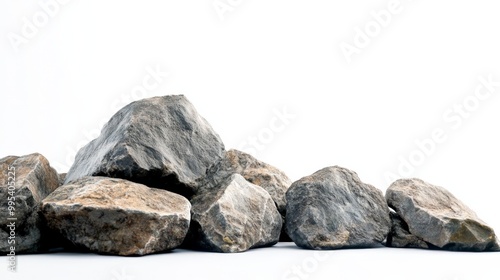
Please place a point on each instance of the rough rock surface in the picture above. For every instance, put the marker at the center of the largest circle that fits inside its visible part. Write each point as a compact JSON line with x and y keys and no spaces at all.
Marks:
{"x":273,"y":180}
{"x":233,"y":217}
{"x":161,"y":142}
{"x":62,"y":178}
{"x":34,"y":180}
{"x":333,"y":209}
{"x":115,"y":216}
{"x":436,"y":216}
{"x":400,"y":237}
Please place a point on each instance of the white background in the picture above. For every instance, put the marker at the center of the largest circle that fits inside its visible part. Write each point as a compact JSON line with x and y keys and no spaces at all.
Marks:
{"x":83,"y":60}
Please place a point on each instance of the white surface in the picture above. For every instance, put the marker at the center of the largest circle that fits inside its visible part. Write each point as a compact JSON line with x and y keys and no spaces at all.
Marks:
{"x":91,"y":57}
{"x":284,"y":261}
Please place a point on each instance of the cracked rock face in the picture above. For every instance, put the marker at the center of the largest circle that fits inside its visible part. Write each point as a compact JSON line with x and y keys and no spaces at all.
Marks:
{"x":333,"y":209}
{"x":436,"y":216}
{"x":34,"y":180}
{"x":161,"y":142}
{"x":270,"y":178}
{"x":115,"y":216}
{"x":233,"y":216}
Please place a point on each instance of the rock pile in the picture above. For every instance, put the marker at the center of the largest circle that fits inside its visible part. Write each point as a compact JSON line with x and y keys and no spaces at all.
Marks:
{"x":158,"y":177}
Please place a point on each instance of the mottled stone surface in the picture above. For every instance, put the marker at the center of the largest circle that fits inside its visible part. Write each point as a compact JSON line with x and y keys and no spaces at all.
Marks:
{"x":233,"y":216}
{"x":270,"y":178}
{"x":115,"y":216}
{"x":161,"y":142}
{"x":400,"y":237}
{"x":333,"y":209}
{"x":34,"y":180}
{"x":436,"y":216}
{"x":62,"y":178}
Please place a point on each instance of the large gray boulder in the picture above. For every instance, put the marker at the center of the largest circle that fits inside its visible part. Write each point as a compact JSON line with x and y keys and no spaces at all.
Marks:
{"x":161,"y":142}
{"x":25,"y":181}
{"x":436,"y":216}
{"x":119,"y":217}
{"x":333,"y":209}
{"x":270,"y":178}
{"x":233,"y":216}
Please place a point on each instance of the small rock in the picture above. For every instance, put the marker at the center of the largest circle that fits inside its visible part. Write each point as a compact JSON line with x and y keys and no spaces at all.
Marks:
{"x":233,"y":217}
{"x":273,"y":180}
{"x":115,"y":216}
{"x":333,"y":209}
{"x":161,"y":142}
{"x":436,"y":216}
{"x":34,"y":180}
{"x":400,"y":237}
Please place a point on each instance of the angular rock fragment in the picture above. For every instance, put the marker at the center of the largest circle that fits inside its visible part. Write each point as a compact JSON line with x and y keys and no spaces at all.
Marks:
{"x":333,"y":209}
{"x":233,"y":216}
{"x":115,"y":216}
{"x":273,"y":180}
{"x":25,"y":181}
{"x":161,"y":142}
{"x":436,"y":216}
{"x":400,"y":237}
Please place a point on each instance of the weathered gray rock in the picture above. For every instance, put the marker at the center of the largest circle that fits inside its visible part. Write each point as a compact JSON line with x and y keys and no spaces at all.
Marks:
{"x":161,"y":142}
{"x":61,"y":177}
{"x":273,"y":180}
{"x":436,"y":216}
{"x":400,"y":237}
{"x":34,"y":180}
{"x":115,"y":216}
{"x":333,"y":209}
{"x":233,"y":217}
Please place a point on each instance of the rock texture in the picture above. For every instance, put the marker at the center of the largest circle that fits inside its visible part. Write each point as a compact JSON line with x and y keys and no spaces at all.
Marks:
{"x":62,"y":178}
{"x":436,"y":216}
{"x":161,"y":142}
{"x":333,"y":209}
{"x":233,"y":216}
{"x":34,"y":180}
{"x":115,"y":216}
{"x":400,"y":237}
{"x":271,"y":179}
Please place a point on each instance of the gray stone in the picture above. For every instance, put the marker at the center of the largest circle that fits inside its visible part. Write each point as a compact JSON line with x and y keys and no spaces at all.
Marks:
{"x":333,"y":209}
{"x":34,"y":180}
{"x":161,"y":142}
{"x":400,"y":237}
{"x":273,"y":180}
{"x":119,"y":217}
{"x":233,"y":217}
{"x":436,"y":216}
{"x":62,"y":177}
